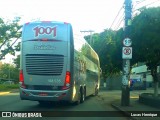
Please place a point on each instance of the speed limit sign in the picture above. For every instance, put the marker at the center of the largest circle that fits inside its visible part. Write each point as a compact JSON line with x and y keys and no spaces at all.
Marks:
{"x":127,"y":42}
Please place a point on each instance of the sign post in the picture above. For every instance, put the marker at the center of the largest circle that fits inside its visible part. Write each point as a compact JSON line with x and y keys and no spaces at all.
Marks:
{"x":126,"y":55}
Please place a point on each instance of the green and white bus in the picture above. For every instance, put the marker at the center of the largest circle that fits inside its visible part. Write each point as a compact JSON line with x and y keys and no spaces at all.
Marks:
{"x":56,"y":65}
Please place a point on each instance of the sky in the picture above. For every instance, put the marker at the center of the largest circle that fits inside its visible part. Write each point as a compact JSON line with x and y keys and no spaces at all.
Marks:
{"x":84,"y":14}
{"x":95,"y":15}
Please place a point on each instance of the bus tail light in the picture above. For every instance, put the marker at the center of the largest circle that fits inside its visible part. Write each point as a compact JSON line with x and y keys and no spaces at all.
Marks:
{"x":68,"y":78}
{"x":67,"y":81}
{"x":21,"y":79}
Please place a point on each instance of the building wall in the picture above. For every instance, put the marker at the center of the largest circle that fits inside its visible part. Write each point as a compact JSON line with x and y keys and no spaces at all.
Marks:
{"x":114,"y":83}
{"x":139,"y":69}
{"x":149,"y":78}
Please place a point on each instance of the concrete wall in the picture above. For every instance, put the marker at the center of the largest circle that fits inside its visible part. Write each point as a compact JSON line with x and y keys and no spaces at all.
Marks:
{"x":114,"y":83}
{"x":139,"y":69}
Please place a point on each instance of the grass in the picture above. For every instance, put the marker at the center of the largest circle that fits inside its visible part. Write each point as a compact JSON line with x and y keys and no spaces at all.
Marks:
{"x":8,"y":87}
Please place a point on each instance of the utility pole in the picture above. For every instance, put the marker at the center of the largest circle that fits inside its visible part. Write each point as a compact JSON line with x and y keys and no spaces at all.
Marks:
{"x":90,"y":31}
{"x":126,"y":54}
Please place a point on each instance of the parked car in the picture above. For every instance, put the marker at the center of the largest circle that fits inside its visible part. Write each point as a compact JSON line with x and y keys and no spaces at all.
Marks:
{"x":136,"y":82}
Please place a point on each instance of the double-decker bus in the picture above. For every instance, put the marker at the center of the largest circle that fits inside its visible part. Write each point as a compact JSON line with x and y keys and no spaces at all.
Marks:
{"x":56,"y":64}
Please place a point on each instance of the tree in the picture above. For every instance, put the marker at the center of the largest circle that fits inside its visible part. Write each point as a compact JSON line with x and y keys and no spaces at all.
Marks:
{"x":146,"y":41}
{"x":8,"y":71}
{"x":146,"y":44}
{"x":108,"y":46}
{"x":9,"y":34}
{"x":17,"y":62}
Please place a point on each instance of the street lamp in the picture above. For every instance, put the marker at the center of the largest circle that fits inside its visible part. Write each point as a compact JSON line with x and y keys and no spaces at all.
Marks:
{"x":90,"y":31}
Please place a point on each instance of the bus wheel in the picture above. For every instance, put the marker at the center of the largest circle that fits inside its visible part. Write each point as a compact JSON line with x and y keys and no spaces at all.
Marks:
{"x":82,"y":95}
{"x":96,"y":91}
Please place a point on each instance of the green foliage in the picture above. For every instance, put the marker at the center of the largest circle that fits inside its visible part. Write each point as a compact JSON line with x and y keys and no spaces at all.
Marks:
{"x":108,"y":46}
{"x":146,"y":39}
{"x":8,"y":87}
{"x":17,"y":62}
{"x":9,"y":34}
{"x":9,"y":71}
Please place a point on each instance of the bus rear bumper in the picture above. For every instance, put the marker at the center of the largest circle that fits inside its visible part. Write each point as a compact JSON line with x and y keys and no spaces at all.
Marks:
{"x":39,"y":95}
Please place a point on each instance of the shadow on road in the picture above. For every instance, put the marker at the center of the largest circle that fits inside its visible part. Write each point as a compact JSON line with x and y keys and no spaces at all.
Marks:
{"x":61,"y":105}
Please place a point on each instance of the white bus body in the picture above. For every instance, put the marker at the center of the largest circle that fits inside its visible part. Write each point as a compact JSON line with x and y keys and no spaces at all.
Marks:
{"x":56,"y":65}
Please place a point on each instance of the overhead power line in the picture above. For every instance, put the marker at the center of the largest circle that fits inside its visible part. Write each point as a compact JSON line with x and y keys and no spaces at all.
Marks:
{"x":147,"y":5}
{"x":104,"y":44}
{"x":116,"y":17}
{"x":139,"y":2}
{"x":151,"y":3}
{"x":119,"y":22}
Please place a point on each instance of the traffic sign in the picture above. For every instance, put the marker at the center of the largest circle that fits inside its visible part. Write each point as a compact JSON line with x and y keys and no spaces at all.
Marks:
{"x":127,"y":53}
{"x":127,"y":42}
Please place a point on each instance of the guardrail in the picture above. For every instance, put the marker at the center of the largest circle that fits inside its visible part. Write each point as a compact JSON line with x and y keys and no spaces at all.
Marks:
{"x":7,"y":81}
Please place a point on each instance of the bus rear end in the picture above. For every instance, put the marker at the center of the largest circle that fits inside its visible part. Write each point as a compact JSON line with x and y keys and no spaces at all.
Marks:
{"x":45,"y":73}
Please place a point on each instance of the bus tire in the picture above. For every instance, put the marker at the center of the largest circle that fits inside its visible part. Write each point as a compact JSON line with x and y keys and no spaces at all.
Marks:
{"x":82,"y":95}
{"x":96,"y":91}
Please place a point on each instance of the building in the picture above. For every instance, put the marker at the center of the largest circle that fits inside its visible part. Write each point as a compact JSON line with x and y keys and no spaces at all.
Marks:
{"x":145,"y":74}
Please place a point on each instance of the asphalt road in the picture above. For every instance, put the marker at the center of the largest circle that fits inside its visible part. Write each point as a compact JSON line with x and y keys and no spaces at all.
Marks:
{"x":97,"y":106}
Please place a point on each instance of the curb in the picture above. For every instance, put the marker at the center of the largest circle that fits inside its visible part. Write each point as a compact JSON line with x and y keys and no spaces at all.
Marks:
{"x":124,"y":112}
{"x":14,"y":91}
{"x":3,"y":93}
{"x":7,"y":92}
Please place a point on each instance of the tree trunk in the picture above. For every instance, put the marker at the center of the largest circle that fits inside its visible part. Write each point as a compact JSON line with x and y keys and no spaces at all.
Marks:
{"x":156,"y":89}
{"x":155,"y":79}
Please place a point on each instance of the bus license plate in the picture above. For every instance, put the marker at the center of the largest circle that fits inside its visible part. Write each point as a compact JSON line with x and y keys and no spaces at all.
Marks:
{"x":43,"y":94}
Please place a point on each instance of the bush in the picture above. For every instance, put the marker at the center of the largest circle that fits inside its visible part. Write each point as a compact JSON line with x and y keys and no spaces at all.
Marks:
{"x":8,"y":87}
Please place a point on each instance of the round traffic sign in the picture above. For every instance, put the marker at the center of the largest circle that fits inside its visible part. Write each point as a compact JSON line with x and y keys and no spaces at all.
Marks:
{"x":127,"y":42}
{"x":127,"y":51}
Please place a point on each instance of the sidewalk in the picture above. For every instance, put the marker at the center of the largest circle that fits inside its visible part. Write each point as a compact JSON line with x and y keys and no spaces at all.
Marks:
{"x":136,"y":110}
